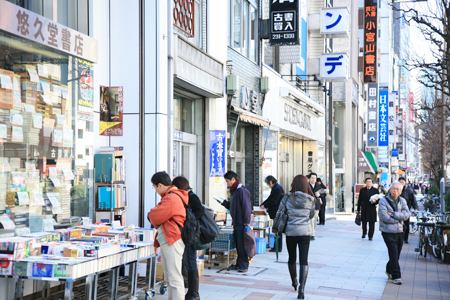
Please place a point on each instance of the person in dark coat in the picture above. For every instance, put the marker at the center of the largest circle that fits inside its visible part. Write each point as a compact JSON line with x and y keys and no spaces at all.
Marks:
{"x":323,"y":198}
{"x":273,"y":202}
{"x":240,"y":206}
{"x":368,"y":209}
{"x":408,"y":195}
{"x":315,"y":188}
{"x":190,"y":253}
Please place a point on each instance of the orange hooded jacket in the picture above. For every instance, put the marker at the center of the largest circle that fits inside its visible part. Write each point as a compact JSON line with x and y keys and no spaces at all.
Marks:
{"x":169,"y":213}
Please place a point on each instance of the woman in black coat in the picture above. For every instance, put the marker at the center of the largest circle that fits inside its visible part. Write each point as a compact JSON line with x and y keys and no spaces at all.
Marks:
{"x":368,"y":209}
{"x":190,"y":253}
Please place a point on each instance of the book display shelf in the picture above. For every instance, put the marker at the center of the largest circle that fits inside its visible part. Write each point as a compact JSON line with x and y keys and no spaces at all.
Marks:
{"x":111,"y":198}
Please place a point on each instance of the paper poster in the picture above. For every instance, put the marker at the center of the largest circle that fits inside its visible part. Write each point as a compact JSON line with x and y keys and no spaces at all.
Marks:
{"x":28,"y":108}
{"x":3,"y":131}
{"x":6,"y":222}
{"x":37,"y":121}
{"x":56,"y":182}
{"x":111,"y":111}
{"x":16,"y":119}
{"x":6,"y":82}
{"x":33,"y":75}
{"x":217,"y":153}
{"x":47,"y":99}
{"x":86,"y":89}
{"x":56,"y":90}
{"x":57,"y":136}
{"x":17,"y":134}
{"x":53,"y":198}
{"x":23,"y":198}
{"x":65,"y":93}
{"x":57,"y":210}
{"x":68,"y":138}
{"x":16,"y":81}
{"x":45,"y":86}
{"x":52,"y":172}
{"x":39,"y":199}
{"x":48,"y":225}
{"x":68,"y":174}
{"x":42,"y":70}
{"x":16,"y":99}
{"x":60,"y":120}
{"x":4,"y":164}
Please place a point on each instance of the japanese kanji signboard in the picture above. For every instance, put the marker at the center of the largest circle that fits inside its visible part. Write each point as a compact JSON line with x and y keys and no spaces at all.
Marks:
{"x":372,"y":112}
{"x":27,"y":24}
{"x":86,"y":89}
{"x":411,"y":107}
{"x":399,"y":128}
{"x":334,"y":66}
{"x":370,"y":41}
{"x":284,"y":22}
{"x":334,"y":21}
{"x":383,"y":119}
{"x":217,"y":153}
{"x":392,"y":100}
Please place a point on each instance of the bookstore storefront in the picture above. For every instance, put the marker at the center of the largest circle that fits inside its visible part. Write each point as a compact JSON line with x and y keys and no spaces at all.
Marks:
{"x":46,"y":122}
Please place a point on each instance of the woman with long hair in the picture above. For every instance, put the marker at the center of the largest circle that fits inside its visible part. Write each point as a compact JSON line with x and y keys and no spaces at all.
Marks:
{"x":190,"y":253}
{"x":300,"y":205}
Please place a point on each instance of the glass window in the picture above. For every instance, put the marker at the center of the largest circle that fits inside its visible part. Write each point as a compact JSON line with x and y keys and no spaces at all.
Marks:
{"x":270,"y":165}
{"x":46,"y":111}
{"x":197,"y":38}
{"x":245,"y":23}
{"x":237,"y":25}
{"x":253,"y":33}
{"x":183,"y":114}
{"x":244,"y":28}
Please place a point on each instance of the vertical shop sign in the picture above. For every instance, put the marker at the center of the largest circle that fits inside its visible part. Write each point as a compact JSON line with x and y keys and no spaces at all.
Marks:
{"x":411,"y":107}
{"x":392,"y":116}
{"x":310,"y":162}
{"x":372,"y":110}
{"x":383,"y":124}
{"x":111,"y":111}
{"x":284,"y":22}
{"x":216,"y":153}
{"x":86,"y":89}
{"x":399,"y":144}
{"x":370,"y":41}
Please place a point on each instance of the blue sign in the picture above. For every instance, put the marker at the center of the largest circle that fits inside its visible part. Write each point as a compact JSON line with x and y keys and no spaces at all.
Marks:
{"x":383,"y":119}
{"x":217,"y":153}
{"x":301,"y":67}
{"x":333,"y":21}
{"x":177,"y":135}
{"x":394,"y":152}
{"x":332,"y":62}
{"x":384,"y":180}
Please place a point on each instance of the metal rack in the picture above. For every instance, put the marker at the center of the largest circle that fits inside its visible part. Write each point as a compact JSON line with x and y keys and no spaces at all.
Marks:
{"x":223,"y":244}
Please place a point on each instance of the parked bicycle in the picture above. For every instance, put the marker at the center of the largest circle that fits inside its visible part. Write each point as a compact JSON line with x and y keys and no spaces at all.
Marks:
{"x":413,"y":222}
{"x":424,"y":235}
{"x":439,"y":239}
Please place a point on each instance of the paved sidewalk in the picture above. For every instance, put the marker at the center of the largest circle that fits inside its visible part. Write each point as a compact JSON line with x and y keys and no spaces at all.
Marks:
{"x":341,"y":266}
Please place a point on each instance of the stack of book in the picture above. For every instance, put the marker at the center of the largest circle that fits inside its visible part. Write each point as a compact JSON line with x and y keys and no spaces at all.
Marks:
{"x":30,"y":133}
{"x":29,"y":91}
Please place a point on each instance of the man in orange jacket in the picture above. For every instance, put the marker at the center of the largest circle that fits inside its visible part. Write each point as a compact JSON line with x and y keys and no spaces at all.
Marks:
{"x":167,"y":217}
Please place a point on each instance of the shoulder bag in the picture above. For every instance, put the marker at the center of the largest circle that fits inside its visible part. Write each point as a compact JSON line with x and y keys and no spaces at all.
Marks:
{"x":281,"y":223}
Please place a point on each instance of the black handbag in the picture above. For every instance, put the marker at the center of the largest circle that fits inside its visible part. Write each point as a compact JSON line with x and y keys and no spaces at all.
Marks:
{"x":358,"y":219}
{"x":209,"y":230}
{"x":281,"y":222}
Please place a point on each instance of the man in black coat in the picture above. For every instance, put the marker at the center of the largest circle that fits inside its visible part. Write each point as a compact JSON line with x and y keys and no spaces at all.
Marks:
{"x":368,"y":209}
{"x":408,"y":195}
{"x":323,"y":205}
{"x":273,"y":202}
{"x":315,"y":187}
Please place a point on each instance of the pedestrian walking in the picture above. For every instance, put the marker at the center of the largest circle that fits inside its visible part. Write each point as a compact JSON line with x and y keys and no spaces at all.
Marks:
{"x":408,"y":195}
{"x":315,"y":187}
{"x":167,"y":217}
{"x":272,"y":203}
{"x":393,"y":211}
{"x":368,"y":208}
{"x":300,"y":205}
{"x":240,"y":207}
{"x":190,"y":253}
{"x":323,"y":202}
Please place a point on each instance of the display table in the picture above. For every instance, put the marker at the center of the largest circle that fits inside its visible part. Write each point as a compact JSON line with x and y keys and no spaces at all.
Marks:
{"x":89,"y":271}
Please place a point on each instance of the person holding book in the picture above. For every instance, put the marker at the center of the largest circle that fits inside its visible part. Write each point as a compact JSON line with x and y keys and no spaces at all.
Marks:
{"x":167,"y":217}
{"x":190,"y":253}
{"x":323,"y":197}
{"x":367,"y":206}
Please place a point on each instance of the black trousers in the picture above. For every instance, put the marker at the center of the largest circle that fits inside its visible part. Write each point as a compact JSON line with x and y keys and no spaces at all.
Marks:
{"x":303,"y":248}
{"x":406,"y":229}
{"x":322,"y":214}
{"x":371,"y":228}
{"x":280,"y":242}
{"x":242,"y":259}
{"x":394,"y":243}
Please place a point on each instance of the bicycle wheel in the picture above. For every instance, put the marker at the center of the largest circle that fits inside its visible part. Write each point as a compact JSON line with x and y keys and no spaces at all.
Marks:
{"x":429,"y":230}
{"x":412,"y":228}
{"x":420,"y":247}
{"x":425,"y":247}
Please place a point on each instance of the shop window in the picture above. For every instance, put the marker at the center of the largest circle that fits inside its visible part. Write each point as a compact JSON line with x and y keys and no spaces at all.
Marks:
{"x":42,"y":93}
{"x":183,"y":114}
{"x":188,"y":20}
{"x":243,"y":27}
{"x":270,"y":164}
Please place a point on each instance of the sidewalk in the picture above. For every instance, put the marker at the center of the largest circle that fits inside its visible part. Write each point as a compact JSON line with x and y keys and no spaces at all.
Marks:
{"x":341,"y":266}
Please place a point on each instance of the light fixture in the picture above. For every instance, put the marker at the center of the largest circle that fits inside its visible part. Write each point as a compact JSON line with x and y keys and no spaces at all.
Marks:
{"x":265,"y":86}
{"x":232,"y":84}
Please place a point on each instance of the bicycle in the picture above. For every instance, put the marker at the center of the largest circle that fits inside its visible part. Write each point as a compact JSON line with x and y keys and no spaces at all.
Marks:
{"x":439,"y":240}
{"x":423,"y":236}
{"x":413,"y":224}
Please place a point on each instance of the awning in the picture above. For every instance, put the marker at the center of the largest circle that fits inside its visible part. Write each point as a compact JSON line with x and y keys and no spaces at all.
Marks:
{"x":363,"y":163}
{"x":373,"y":161}
{"x":249,"y":117}
{"x":400,"y":172}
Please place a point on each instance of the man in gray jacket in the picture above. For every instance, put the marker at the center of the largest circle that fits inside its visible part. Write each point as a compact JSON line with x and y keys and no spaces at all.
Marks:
{"x":393,"y":211}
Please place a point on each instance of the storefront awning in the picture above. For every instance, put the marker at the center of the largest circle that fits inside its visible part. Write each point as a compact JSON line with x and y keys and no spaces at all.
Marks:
{"x":373,"y":161}
{"x":400,"y":172}
{"x":249,"y":117}
{"x":363,"y":163}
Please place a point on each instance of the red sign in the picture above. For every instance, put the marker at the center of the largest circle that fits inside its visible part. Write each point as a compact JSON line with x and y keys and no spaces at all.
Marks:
{"x":411,"y":107}
{"x":370,"y":41}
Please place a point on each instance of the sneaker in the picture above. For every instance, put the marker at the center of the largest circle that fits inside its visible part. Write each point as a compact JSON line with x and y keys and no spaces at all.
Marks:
{"x":243,"y":271}
{"x":234,"y":268}
{"x":397,"y":281}
{"x":389,"y":276}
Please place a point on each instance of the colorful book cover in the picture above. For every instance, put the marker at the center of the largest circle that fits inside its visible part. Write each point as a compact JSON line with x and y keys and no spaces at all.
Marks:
{"x":42,"y":270}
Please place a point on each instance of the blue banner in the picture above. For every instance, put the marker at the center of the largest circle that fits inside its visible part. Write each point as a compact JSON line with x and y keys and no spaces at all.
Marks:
{"x":383,"y":119}
{"x":217,"y":153}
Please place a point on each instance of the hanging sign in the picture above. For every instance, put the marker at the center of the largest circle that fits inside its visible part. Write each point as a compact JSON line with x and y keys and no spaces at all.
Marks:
{"x":383,"y":119}
{"x":86,"y":89}
{"x":217,"y":153}
{"x":334,"y":21}
{"x":372,"y":110}
{"x":370,"y":41}
{"x":111,"y":111}
{"x":334,"y":66}
{"x":284,"y":22}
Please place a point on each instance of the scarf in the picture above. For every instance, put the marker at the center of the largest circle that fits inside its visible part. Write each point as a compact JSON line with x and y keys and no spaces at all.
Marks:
{"x":235,"y":185}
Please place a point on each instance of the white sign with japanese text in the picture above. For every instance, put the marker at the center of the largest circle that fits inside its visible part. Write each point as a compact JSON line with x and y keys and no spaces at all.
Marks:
{"x":334,"y":21}
{"x":334,"y":66}
{"x":27,"y":24}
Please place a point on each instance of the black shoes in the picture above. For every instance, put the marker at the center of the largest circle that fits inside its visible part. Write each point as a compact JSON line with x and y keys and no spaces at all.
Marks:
{"x":273,"y":250}
{"x":243,"y":270}
{"x":234,"y":268}
{"x":313,"y":238}
{"x":293,"y":272}
{"x":193,"y":286}
{"x":406,"y":242}
{"x":363,"y":236}
{"x":370,"y":239}
{"x":301,"y":286}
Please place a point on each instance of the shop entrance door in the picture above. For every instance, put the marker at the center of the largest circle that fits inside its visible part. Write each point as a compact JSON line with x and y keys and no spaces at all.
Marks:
{"x":236,"y":162}
{"x":184,"y":158}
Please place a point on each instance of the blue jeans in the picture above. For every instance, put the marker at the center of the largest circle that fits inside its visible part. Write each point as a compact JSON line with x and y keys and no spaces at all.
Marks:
{"x":242,"y":259}
{"x":190,"y":258}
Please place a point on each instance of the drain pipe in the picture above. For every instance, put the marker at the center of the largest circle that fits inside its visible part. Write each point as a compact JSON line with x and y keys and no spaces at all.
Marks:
{"x":169,"y":83}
